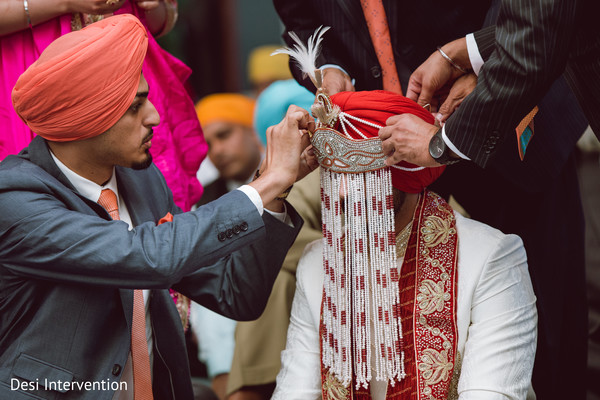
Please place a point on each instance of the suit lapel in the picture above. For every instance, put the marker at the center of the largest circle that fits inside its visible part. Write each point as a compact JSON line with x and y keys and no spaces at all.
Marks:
{"x":352,"y":10}
{"x":135,"y":197}
{"x":354,"y":13}
{"x":38,"y":153}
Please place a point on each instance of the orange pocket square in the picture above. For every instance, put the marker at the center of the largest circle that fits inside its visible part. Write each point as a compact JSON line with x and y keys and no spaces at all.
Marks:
{"x":166,"y":218}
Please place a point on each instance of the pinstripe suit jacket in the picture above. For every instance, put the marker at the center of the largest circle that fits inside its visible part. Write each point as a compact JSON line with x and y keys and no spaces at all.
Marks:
{"x":348,"y":44}
{"x":535,"y":42}
{"x":416,"y":28}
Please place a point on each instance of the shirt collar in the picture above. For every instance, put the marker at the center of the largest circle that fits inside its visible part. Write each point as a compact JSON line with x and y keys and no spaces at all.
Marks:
{"x":88,"y":189}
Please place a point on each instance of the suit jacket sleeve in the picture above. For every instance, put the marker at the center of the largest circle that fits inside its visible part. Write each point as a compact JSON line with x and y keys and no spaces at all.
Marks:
{"x":48,"y":233}
{"x":239,"y":284}
{"x":531,"y":50}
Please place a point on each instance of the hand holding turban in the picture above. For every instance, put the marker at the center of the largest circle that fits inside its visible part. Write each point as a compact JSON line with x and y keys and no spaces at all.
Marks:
{"x":377,"y":106}
{"x":84,"y":81}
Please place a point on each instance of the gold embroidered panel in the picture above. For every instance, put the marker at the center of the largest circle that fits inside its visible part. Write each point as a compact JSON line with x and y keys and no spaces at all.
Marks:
{"x":343,"y":155}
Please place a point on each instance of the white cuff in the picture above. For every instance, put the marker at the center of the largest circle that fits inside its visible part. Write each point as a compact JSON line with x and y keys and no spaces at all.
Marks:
{"x":281,"y":216}
{"x":322,"y":67}
{"x":253,"y":196}
{"x":452,"y":146}
{"x":474,"y":56}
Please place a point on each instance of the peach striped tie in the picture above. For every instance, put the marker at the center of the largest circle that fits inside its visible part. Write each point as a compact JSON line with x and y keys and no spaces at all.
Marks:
{"x":142,"y":381}
{"x":380,"y":36}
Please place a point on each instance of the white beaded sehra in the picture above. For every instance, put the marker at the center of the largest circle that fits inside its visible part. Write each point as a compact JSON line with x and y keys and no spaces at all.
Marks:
{"x":361,"y":309}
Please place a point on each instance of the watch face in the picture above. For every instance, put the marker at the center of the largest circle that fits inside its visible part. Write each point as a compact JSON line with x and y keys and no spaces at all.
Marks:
{"x":436,"y":147}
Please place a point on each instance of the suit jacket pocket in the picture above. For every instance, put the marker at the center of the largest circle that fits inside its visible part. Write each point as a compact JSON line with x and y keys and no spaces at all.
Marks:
{"x":39,"y":377}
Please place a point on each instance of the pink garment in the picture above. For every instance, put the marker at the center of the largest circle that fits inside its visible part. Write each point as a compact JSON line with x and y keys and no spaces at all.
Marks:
{"x":178,"y":145}
{"x":17,"y":52}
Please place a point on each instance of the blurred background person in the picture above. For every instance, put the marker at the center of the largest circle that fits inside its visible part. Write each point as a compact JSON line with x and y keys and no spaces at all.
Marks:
{"x":236,"y":153}
{"x":264,"y":68}
{"x":258,"y":344}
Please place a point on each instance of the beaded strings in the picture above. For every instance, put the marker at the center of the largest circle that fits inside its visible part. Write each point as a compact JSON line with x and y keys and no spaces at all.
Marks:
{"x":362,"y":294}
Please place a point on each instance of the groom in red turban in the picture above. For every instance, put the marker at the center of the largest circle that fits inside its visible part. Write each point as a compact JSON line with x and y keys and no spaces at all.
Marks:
{"x":402,"y":298}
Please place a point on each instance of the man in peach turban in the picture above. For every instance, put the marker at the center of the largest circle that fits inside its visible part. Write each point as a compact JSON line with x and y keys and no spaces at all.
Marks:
{"x":91,"y":240}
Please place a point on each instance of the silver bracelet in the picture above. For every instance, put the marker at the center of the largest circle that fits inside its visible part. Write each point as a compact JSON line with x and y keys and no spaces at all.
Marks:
{"x":26,"y":7}
{"x":451,"y":61}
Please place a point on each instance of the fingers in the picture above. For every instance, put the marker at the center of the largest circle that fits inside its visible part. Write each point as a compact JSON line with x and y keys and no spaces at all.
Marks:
{"x":308,"y":162}
{"x":413,"y":90}
{"x":335,"y":81}
{"x":461,"y":89}
{"x":406,"y":138}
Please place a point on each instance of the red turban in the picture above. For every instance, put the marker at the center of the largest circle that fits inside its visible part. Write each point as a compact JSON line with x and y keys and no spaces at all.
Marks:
{"x":376,"y":107}
{"x":84,"y":81}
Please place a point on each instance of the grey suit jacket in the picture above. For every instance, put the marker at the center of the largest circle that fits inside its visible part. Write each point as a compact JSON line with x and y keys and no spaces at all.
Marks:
{"x":67,"y":272}
{"x":534,"y":43}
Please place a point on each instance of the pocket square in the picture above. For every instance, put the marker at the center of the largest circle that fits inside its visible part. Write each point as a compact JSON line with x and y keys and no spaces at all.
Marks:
{"x":166,"y":218}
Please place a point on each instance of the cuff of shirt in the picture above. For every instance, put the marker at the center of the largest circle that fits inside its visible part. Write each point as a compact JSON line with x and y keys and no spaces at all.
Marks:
{"x":452,"y":146}
{"x":474,"y":56}
{"x":322,"y":67}
{"x":255,"y":198}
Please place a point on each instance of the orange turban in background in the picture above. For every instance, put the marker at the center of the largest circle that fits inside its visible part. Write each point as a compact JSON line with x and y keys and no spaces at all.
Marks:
{"x":377,"y":106}
{"x":84,"y":81}
{"x":226,"y":107}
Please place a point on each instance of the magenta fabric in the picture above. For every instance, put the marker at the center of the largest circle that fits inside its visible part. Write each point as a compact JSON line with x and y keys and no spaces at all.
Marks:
{"x":17,"y":52}
{"x":178,"y":145}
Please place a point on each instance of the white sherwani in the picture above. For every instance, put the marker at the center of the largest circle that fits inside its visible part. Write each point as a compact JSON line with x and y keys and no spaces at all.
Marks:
{"x":496,"y":317}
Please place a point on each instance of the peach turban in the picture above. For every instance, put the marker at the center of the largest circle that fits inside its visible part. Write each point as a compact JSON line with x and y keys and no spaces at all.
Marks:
{"x":84,"y":81}
{"x":226,"y":107}
{"x":377,"y":106}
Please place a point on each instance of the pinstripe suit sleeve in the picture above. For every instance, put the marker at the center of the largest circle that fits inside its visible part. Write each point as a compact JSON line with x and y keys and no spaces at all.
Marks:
{"x":532,"y":43}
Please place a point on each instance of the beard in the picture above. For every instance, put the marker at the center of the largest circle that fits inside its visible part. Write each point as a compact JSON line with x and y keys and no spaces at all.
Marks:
{"x":148,"y":161}
{"x":143,"y":164}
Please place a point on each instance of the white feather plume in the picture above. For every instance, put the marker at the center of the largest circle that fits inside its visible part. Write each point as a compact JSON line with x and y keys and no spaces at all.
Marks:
{"x":306,"y":55}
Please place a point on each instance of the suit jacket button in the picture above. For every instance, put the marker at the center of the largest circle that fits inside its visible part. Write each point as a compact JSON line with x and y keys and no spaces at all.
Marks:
{"x":221,"y":236}
{"x":229,"y":233}
{"x":116,"y":370}
{"x":244,"y":226}
{"x":236,"y":229}
{"x":376,"y":72}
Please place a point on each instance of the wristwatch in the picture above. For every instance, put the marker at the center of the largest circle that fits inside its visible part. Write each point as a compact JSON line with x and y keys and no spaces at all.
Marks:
{"x":439,"y":151}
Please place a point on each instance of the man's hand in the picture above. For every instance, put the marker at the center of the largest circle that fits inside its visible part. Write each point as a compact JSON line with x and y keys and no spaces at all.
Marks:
{"x":436,"y":72}
{"x":406,"y":137}
{"x":289,"y":156}
{"x":335,"y":81}
{"x":461,"y":89}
